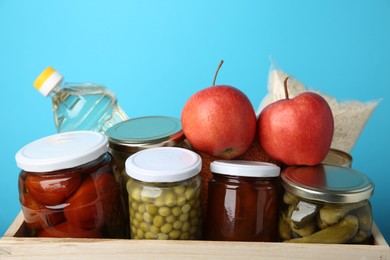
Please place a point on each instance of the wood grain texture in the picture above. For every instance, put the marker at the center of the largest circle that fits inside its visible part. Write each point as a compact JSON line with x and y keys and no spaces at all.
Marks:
{"x":50,"y":248}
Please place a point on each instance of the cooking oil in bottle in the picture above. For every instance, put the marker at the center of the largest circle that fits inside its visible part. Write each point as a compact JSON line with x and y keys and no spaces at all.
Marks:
{"x":79,"y":106}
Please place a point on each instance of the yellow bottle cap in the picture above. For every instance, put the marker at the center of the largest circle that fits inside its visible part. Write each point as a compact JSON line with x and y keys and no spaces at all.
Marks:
{"x":47,"y":80}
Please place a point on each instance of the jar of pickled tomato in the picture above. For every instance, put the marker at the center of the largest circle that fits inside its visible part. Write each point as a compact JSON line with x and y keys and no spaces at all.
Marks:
{"x":243,"y":201}
{"x":164,"y":194}
{"x":67,"y":187}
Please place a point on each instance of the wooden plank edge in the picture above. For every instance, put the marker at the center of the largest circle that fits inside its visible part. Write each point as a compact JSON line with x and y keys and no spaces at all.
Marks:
{"x":378,"y":237}
{"x":59,"y":248}
{"x":12,"y":247}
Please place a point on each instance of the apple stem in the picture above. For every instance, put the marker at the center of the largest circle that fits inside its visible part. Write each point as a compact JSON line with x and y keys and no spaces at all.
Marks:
{"x":216,"y":73}
{"x":285,"y":88}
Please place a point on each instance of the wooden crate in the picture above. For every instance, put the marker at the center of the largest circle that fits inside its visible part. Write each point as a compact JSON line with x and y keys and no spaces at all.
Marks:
{"x":14,"y":246}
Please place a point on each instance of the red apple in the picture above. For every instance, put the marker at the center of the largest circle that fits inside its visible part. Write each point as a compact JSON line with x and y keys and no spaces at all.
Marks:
{"x":219,"y":121}
{"x":297,"y":131}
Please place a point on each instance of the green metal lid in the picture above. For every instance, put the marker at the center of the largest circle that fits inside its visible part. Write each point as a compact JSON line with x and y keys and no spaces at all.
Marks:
{"x":142,"y":133}
{"x":327,"y":183}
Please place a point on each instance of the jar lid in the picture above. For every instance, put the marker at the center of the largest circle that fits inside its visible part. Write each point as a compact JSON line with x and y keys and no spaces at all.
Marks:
{"x":242,"y":168}
{"x":164,"y":164}
{"x":61,"y":151}
{"x":145,"y":132}
{"x":327,"y":183}
{"x":47,"y":80}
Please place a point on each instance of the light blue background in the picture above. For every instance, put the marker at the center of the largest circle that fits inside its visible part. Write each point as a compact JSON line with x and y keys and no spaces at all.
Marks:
{"x":155,"y":54}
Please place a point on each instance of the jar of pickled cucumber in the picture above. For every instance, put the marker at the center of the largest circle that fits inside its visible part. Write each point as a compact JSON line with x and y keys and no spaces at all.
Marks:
{"x":164,"y":194}
{"x":325,"y":204}
{"x":137,"y":134}
{"x":243,"y":201}
{"x":67,"y":187}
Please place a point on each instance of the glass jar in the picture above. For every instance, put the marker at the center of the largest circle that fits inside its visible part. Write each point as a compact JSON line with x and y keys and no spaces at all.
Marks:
{"x":67,"y":187}
{"x":325,"y":204}
{"x":137,"y":134}
{"x":164,"y":194}
{"x":338,"y":158}
{"x":243,"y":201}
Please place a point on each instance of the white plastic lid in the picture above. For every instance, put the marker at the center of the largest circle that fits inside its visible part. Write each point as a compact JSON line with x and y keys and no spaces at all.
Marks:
{"x":163,"y":164}
{"x":47,"y":81}
{"x":61,"y":151}
{"x":243,"y":168}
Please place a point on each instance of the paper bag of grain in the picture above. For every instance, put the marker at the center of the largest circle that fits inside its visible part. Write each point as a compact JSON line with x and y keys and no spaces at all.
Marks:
{"x":350,"y":117}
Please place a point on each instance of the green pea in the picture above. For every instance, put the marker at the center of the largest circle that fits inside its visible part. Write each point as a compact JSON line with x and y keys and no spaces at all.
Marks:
{"x":164,"y":211}
{"x":170,"y":199}
{"x":185,"y":208}
{"x":150,"y":235}
{"x":192,"y":203}
{"x":136,"y":194}
{"x":176,"y":211}
{"x":155,"y":229}
{"x":181,"y":201}
{"x":174,"y":234}
{"x":134,"y":205}
{"x":141,"y":208}
{"x":135,"y":222}
{"x":132,"y":213}
{"x":152,"y":209}
{"x":166,"y":228}
{"x":158,"y":221}
{"x":170,"y":219}
{"x":133,"y":230}
{"x":189,"y":193}
{"x":159,"y":201}
{"x":138,"y":216}
{"x":147,"y":217}
{"x":184,"y":217}
{"x":144,"y":226}
{"x":162,"y":236}
{"x":179,"y":189}
{"x":186,"y":227}
{"x":140,"y":233}
{"x":177,"y":224}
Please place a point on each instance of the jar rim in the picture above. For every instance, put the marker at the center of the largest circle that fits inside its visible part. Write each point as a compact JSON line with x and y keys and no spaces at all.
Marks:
{"x":61,"y":151}
{"x":141,"y":133}
{"x":243,"y":168}
{"x":327,"y":183}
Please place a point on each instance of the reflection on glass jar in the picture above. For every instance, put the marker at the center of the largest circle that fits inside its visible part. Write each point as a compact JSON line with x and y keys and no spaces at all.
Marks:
{"x":243,"y":201}
{"x":67,"y":187}
{"x":325,"y":204}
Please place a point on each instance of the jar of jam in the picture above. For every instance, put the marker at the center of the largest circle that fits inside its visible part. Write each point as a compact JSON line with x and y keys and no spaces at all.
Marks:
{"x":137,"y":134}
{"x":164,"y":194}
{"x":67,"y":187}
{"x":243,"y":201}
{"x":325,"y":204}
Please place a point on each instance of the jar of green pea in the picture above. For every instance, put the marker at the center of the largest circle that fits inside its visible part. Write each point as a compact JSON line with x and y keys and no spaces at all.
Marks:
{"x":164,"y":194}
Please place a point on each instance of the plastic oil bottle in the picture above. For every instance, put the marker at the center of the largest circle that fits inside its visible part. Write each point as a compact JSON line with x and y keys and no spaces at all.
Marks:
{"x":79,"y":106}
